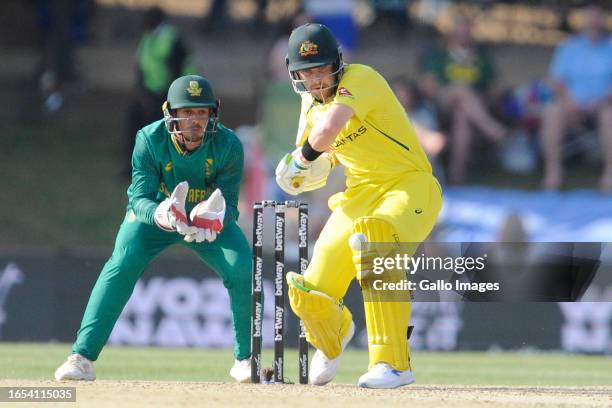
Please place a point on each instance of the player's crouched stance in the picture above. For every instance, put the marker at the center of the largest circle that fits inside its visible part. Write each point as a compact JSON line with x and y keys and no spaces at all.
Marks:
{"x":186,"y":171}
{"x":350,"y":116}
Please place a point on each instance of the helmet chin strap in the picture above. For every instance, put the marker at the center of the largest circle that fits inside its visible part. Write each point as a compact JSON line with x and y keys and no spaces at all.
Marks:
{"x":299,"y":85}
{"x":322,"y":92}
{"x":180,"y":139}
{"x":173,"y":127}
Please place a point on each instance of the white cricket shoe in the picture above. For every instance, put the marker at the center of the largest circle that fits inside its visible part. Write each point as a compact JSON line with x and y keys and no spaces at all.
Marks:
{"x":322,"y":369}
{"x":241,"y":370}
{"x":382,"y":375}
{"x":76,"y":367}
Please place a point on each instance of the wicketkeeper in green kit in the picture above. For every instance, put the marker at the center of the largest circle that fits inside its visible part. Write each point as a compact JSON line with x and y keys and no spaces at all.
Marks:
{"x":186,"y":172}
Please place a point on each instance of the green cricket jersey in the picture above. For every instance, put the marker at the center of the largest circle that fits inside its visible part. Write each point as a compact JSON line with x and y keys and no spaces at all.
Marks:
{"x":158,"y":165}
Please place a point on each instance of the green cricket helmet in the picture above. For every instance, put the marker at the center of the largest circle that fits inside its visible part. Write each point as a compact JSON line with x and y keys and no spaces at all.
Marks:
{"x":190,"y":91}
{"x":313,"y":45}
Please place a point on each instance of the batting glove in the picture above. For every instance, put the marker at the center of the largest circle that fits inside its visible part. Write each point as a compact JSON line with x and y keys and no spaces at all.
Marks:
{"x":318,"y":173}
{"x":312,"y":177}
{"x":291,"y":172}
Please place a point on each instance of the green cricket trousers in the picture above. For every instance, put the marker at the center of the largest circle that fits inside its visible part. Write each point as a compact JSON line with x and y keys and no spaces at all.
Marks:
{"x":137,"y":244}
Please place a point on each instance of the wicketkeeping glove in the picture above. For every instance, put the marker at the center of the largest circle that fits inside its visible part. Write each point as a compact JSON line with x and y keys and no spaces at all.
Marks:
{"x":170,"y":214}
{"x":207,"y":218}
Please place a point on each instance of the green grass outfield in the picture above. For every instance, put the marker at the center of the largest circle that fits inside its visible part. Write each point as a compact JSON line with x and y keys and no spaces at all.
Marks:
{"x":38,"y":361}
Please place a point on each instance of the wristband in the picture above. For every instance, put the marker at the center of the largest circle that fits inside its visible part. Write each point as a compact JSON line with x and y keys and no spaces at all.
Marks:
{"x":309,"y":153}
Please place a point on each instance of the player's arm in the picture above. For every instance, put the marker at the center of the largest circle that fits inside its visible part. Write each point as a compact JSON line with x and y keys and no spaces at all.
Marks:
{"x":303,"y":129}
{"x":145,"y":182}
{"x":308,"y":167}
{"x":560,"y":73}
{"x":221,"y":208}
{"x":229,"y":179}
{"x":324,"y":133}
{"x":170,"y":214}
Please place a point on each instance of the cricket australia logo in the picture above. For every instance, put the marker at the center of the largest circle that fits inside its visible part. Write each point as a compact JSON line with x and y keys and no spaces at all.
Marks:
{"x":194,"y":88}
{"x":308,"y":48}
{"x":10,"y":276}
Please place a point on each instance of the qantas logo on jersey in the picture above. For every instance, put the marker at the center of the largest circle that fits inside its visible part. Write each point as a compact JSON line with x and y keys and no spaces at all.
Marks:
{"x":351,"y":137}
{"x":344,"y":92}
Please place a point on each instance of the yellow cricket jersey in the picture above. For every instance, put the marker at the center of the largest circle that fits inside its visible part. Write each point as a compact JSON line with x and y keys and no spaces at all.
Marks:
{"x":378,"y":143}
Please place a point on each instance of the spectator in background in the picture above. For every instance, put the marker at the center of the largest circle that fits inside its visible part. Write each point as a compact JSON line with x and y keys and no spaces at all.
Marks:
{"x":277,"y":66}
{"x":162,"y":57}
{"x":459,"y":75}
{"x":424,"y":117}
{"x":255,"y":178}
{"x":392,"y":14}
{"x":581,"y":72}
{"x":64,"y":25}
{"x":277,"y":102}
{"x":338,"y":16}
{"x":216,"y":20}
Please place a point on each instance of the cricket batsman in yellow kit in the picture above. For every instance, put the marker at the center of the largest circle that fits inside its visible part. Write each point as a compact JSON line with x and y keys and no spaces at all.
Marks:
{"x":350,"y":116}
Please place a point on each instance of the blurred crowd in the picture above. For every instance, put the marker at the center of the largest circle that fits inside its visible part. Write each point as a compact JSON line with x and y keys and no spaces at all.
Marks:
{"x":461,"y":113}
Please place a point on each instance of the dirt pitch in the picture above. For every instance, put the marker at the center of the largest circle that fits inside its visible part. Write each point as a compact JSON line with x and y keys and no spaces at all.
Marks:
{"x":116,"y":394}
